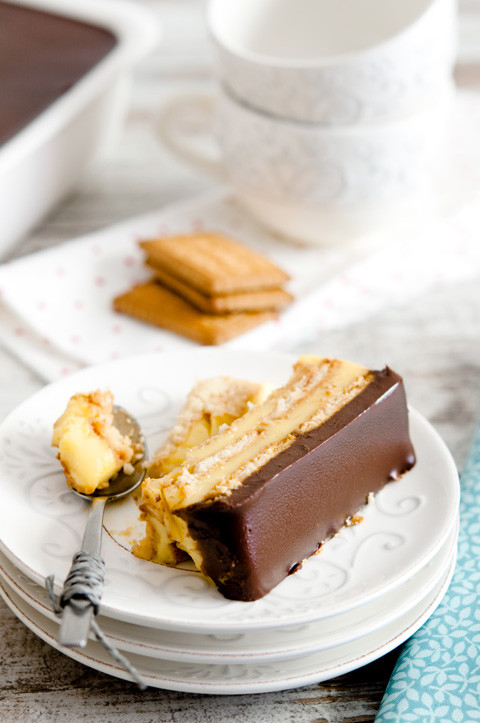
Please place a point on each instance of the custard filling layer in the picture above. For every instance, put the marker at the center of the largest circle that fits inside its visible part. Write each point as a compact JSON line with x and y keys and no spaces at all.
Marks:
{"x":90,"y":448}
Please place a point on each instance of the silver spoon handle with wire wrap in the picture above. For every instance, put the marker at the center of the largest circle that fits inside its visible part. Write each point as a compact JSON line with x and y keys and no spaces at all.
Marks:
{"x":83,"y":586}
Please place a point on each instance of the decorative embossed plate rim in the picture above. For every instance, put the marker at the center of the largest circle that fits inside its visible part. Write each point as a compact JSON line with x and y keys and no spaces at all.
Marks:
{"x":237,"y":679}
{"x":260,"y":645}
{"x":401,"y":531}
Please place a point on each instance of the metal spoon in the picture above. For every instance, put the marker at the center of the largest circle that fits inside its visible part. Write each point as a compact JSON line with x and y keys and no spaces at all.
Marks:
{"x":76,"y":621}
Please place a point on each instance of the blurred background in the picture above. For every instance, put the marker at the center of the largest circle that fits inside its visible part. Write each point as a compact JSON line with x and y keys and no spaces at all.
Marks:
{"x":141,"y":174}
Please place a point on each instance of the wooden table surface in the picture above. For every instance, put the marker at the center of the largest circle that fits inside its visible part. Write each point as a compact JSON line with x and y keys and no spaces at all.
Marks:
{"x":433,"y":342}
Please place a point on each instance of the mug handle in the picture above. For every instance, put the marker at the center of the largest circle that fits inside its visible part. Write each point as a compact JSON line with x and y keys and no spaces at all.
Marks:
{"x":182,"y":124}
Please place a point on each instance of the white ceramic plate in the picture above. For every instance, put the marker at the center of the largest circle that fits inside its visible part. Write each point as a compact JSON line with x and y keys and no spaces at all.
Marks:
{"x":233,"y":679}
{"x":258,"y":646}
{"x":41,"y":521}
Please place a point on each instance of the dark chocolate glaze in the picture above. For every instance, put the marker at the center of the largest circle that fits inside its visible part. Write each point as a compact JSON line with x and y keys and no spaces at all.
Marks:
{"x":41,"y":56}
{"x":253,"y":538}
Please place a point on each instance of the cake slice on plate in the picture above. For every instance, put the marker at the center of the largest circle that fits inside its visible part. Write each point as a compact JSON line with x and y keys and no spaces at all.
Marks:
{"x":250,"y":503}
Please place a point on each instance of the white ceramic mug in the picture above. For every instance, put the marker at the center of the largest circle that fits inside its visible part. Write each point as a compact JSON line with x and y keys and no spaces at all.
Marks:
{"x":334,"y":61}
{"x":315,"y":184}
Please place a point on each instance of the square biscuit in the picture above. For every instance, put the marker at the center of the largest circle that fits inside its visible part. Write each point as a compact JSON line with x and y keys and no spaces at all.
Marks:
{"x":154,"y":304}
{"x":213,"y":264}
{"x":262,"y":300}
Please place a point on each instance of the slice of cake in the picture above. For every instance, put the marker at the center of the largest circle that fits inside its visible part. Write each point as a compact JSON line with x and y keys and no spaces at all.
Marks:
{"x":90,"y":448}
{"x":211,"y":406}
{"x":252,"y":502}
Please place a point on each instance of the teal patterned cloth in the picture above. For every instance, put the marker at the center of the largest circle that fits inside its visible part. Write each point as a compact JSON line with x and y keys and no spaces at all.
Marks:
{"x":437,"y":676}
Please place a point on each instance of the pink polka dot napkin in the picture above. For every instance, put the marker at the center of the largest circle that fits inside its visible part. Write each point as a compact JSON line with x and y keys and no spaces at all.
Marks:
{"x":56,"y":305}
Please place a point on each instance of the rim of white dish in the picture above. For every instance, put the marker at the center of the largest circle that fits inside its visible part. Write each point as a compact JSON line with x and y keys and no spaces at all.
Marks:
{"x":319,"y":62}
{"x":289,"y":675}
{"x":420,"y":586}
{"x":441,"y":102}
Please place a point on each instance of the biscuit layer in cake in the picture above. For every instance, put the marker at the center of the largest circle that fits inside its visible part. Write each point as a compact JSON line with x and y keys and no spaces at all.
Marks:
{"x":212,"y":405}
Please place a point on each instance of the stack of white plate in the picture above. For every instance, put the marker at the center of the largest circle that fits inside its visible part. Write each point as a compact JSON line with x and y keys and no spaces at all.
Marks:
{"x":368,"y":589}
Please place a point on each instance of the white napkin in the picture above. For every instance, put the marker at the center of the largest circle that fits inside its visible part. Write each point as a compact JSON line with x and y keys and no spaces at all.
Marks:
{"x":56,"y":305}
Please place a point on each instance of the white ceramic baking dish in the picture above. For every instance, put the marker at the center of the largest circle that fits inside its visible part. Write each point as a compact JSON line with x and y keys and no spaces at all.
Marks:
{"x":42,"y":162}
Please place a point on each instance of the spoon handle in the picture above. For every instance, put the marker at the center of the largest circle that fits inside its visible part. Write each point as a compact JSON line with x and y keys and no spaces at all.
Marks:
{"x":92,"y":536}
{"x":77,"y":619}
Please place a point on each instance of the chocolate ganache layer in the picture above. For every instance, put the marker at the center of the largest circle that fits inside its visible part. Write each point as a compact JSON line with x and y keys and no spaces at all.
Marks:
{"x":252,"y":538}
{"x":41,"y":56}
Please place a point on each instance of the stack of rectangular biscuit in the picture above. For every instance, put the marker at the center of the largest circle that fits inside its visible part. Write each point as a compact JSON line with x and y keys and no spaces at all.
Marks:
{"x":206,"y":287}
